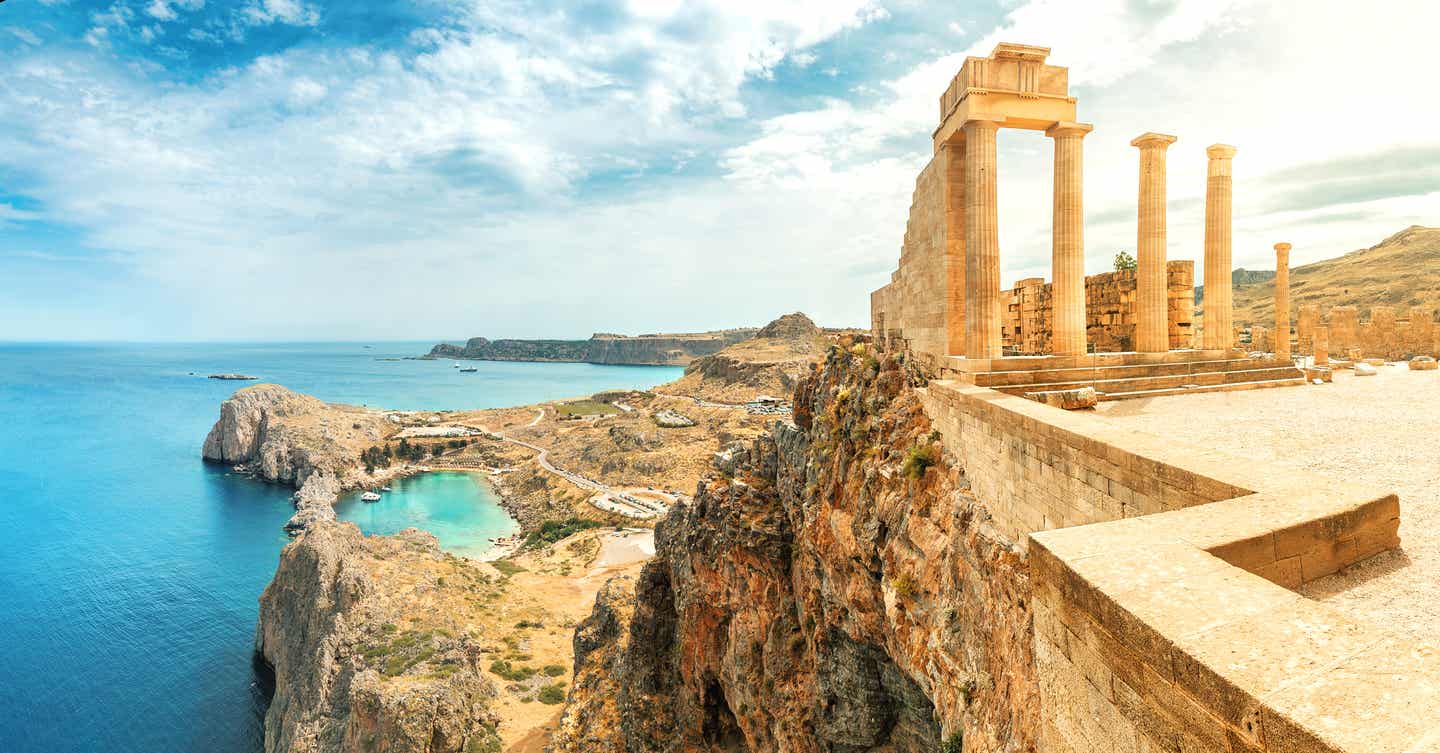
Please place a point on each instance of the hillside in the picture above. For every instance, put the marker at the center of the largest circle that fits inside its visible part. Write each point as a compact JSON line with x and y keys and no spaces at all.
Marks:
{"x":770,"y":363}
{"x":1401,"y":271}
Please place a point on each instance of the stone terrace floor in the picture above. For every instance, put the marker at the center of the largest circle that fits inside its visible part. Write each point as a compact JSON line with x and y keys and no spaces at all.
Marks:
{"x":1383,"y":429}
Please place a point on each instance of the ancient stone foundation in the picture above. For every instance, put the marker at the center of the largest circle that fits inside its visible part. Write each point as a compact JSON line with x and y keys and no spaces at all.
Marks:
{"x":1384,"y":335}
{"x":1109,"y":308}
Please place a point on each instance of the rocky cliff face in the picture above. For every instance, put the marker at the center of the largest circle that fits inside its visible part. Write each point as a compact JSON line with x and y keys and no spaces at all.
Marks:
{"x":770,"y":363}
{"x":834,"y":587}
{"x":296,"y":440}
{"x":658,"y":349}
{"x":352,"y":674}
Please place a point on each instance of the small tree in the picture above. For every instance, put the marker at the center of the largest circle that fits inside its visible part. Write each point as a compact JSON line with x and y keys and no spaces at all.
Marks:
{"x":1124,"y":261}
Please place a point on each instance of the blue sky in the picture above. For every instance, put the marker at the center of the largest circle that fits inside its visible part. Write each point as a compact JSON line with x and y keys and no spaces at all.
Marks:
{"x":299,"y":169}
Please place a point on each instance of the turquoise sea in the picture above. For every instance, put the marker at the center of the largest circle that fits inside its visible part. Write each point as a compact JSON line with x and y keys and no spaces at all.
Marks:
{"x":129,"y":569}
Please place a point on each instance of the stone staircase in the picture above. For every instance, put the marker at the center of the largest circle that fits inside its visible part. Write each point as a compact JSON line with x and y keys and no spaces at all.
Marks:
{"x":1118,"y":380}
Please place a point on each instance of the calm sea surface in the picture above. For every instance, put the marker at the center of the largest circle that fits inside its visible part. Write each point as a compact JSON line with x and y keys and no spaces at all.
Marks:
{"x":129,"y":569}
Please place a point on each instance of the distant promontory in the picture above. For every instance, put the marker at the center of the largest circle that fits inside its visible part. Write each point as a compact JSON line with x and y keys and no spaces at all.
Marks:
{"x":604,"y":348}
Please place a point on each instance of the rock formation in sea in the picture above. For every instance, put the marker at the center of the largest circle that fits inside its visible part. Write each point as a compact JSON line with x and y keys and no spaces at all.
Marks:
{"x":833,"y":586}
{"x":296,"y":440}
{"x":602,"y":347}
{"x":369,"y":650}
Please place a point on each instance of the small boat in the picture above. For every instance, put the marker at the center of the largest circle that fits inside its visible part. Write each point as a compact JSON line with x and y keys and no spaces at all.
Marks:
{"x":457,"y":364}
{"x":469,"y":370}
{"x":384,"y":488}
{"x":369,"y":497}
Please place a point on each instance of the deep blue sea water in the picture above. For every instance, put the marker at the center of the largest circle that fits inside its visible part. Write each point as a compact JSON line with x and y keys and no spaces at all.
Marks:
{"x":129,"y":569}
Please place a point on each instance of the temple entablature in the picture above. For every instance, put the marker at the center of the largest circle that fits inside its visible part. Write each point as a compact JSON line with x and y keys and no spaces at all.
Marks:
{"x":1013,"y":86}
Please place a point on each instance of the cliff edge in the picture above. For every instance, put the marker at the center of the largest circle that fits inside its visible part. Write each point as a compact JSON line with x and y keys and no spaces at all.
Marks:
{"x":770,"y":363}
{"x":368,"y":653}
{"x":833,"y":586}
{"x":297,"y":440}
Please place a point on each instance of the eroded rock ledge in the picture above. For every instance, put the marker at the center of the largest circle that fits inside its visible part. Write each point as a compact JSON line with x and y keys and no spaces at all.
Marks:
{"x":356,"y":630}
{"x":834,"y":587}
{"x":297,"y":440}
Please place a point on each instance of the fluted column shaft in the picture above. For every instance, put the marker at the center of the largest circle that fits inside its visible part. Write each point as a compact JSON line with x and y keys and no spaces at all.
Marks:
{"x":955,"y":293}
{"x":1282,"y":300}
{"x":982,"y":242}
{"x":1219,"y":301}
{"x":1152,"y":326}
{"x":1067,"y":253}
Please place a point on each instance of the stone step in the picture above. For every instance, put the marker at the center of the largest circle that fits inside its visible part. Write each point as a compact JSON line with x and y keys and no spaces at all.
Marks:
{"x":1169,"y":381}
{"x":999,"y":379}
{"x":1295,"y":382}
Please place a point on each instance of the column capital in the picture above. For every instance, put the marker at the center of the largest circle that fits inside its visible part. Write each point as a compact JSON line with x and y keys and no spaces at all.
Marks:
{"x":1220,"y":151}
{"x":1152,"y":140}
{"x":988,"y":122}
{"x":1282,"y":246}
{"x":1065,"y":128}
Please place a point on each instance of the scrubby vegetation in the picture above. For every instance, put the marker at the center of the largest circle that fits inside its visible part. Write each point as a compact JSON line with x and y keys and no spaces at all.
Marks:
{"x":919,"y":459}
{"x":552,"y":531}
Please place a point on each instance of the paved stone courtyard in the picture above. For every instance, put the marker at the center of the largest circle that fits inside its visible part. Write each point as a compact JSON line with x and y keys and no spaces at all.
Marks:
{"x":1378,"y":429}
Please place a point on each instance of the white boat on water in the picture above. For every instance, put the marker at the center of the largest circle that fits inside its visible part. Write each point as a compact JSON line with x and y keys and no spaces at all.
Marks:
{"x":384,"y":488}
{"x":457,"y":364}
{"x":469,"y":370}
{"x":370,"y":497}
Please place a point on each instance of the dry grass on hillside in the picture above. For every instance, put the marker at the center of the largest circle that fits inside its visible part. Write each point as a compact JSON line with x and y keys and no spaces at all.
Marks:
{"x":1402,"y":271}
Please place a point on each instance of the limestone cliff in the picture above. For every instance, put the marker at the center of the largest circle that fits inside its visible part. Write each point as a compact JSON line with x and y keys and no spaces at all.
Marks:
{"x":605,"y":348}
{"x":355,"y":630}
{"x":297,"y":440}
{"x":832,"y":587}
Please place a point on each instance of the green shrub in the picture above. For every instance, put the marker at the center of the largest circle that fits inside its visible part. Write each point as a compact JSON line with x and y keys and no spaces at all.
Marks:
{"x":553,"y":670}
{"x":919,"y":460}
{"x":904,"y":586}
{"x":955,"y":743}
{"x":552,"y":531}
{"x":551,"y":695}
{"x":506,"y":567}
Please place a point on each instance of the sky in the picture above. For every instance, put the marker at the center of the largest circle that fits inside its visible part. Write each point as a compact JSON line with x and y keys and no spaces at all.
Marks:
{"x":438,"y":169}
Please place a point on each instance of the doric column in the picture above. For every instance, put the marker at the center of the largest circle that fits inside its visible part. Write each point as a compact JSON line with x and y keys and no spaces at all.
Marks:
{"x":982,"y":242}
{"x":1322,"y":345}
{"x":953,"y":154}
{"x":1219,"y":304}
{"x":1068,"y":245}
{"x":1282,"y":300}
{"x":1152,"y":333}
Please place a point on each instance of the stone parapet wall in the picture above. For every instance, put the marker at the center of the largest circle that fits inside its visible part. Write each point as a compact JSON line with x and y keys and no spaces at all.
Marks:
{"x":1162,"y":584}
{"x":1109,"y":311}
{"x":1384,"y":335}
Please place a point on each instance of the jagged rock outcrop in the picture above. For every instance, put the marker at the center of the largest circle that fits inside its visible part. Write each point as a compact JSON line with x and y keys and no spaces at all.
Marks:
{"x":602,"y":347}
{"x":770,"y":363}
{"x":834,"y":588}
{"x":350,"y":674}
{"x":297,"y":440}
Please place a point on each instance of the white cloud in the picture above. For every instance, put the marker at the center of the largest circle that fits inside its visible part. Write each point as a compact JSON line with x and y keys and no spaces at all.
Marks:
{"x":506,"y":156}
{"x":956,"y":29}
{"x":291,"y":12}
{"x":803,"y":59}
{"x":161,"y":10}
{"x":26,"y":36}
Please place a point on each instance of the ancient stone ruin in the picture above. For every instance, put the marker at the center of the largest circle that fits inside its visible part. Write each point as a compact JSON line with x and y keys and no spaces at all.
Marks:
{"x":1125,"y":336}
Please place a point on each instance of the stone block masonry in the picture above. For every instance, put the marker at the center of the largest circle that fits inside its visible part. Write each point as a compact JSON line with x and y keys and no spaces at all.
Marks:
{"x":1384,"y":335}
{"x":1109,"y":308}
{"x":1162,"y":582}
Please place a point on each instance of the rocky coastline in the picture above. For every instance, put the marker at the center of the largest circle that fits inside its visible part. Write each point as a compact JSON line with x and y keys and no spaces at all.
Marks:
{"x":602,"y":348}
{"x":369,"y":650}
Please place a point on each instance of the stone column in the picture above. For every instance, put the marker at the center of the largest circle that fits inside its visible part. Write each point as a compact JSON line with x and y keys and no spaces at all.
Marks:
{"x":1068,"y":240}
{"x":1218,"y":302}
{"x":1282,"y":300}
{"x":953,"y":154}
{"x":1151,"y":319}
{"x":1322,"y":345}
{"x":982,"y":242}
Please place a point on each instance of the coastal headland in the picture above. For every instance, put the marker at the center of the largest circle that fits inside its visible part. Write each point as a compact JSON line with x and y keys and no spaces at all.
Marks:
{"x":397,"y":636}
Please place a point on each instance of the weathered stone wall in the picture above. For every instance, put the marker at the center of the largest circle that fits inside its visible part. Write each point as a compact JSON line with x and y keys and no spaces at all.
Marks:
{"x":1171,"y":623}
{"x":1384,"y":335}
{"x":1109,"y":311}
{"x":1037,"y":468}
{"x":914,"y":306}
